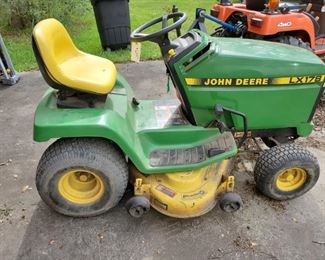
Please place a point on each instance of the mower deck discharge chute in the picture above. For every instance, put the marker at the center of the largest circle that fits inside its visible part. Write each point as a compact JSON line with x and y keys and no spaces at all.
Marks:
{"x":177,"y":153}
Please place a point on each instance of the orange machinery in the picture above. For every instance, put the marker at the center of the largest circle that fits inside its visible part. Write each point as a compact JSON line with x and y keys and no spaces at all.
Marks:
{"x":300,"y":25}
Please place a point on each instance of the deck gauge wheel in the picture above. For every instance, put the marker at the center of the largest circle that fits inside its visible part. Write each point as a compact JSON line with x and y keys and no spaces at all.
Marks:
{"x":137,"y":206}
{"x":231,"y":202}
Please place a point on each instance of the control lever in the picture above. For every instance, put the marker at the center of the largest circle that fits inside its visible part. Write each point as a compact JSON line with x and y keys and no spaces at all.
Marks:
{"x":220,"y":110}
{"x":308,"y":7}
{"x":178,"y":30}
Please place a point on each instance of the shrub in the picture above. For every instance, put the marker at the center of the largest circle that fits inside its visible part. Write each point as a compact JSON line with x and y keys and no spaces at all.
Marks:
{"x":21,"y":14}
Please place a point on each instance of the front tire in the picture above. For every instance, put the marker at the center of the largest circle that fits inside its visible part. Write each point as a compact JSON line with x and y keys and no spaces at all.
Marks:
{"x":293,"y":41}
{"x":82,"y":177}
{"x":285,"y":172}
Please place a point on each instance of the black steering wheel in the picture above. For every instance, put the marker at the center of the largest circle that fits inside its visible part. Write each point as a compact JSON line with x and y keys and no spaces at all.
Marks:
{"x":179,"y":18}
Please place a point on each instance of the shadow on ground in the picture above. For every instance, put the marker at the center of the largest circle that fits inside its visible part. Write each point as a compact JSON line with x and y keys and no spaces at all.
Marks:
{"x":264,"y":229}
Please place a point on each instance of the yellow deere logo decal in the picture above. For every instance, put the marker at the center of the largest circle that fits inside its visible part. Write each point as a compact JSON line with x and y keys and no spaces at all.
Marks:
{"x":255,"y":81}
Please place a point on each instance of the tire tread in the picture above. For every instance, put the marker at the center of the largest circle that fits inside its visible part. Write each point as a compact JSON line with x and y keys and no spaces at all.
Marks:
{"x":71,"y":148}
{"x":273,"y":159}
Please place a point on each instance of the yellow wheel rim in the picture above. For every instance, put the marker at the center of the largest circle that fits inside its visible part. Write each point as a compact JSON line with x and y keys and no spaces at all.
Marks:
{"x":291,"y":179}
{"x":81,"y":186}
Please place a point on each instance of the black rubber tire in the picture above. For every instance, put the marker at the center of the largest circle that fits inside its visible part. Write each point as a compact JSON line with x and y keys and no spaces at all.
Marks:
{"x":279,"y":158}
{"x":97,"y":155}
{"x":137,"y":206}
{"x":293,"y":41}
{"x":231,"y":202}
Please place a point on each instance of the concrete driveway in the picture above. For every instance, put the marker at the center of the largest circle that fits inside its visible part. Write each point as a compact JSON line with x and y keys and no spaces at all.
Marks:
{"x":264,"y":229}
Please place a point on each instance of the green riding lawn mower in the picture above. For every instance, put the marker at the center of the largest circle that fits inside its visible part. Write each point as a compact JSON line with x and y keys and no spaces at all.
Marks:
{"x":176,"y":153}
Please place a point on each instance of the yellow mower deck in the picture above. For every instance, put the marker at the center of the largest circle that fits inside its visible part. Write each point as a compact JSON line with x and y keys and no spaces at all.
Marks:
{"x":184,"y":194}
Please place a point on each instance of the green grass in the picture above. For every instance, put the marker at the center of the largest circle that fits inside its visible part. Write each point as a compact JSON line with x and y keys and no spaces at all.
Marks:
{"x":84,"y":32}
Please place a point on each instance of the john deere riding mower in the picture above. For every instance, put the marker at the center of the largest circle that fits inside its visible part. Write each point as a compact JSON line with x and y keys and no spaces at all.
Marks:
{"x":176,"y":153}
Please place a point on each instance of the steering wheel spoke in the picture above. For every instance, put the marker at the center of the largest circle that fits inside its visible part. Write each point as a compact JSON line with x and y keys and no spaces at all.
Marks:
{"x":164,"y":21}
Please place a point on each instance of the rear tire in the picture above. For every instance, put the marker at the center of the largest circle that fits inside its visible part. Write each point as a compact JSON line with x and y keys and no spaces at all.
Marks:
{"x":286,"y":172}
{"x":82,"y":177}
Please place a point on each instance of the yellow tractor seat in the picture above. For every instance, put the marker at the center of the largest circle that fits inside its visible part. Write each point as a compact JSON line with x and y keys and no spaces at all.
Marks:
{"x":65,"y":67}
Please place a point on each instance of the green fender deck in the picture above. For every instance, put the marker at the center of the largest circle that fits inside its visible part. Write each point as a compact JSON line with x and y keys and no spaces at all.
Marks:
{"x":139,"y":131}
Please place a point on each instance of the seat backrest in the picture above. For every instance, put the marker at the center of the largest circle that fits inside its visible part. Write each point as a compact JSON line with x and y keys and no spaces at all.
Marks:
{"x":43,"y":69}
{"x":52,"y":46}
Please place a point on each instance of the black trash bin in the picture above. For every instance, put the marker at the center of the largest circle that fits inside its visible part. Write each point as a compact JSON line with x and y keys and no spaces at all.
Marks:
{"x":113,"y":23}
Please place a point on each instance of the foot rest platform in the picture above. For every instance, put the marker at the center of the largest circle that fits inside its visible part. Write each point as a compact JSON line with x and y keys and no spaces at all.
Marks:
{"x":172,"y":157}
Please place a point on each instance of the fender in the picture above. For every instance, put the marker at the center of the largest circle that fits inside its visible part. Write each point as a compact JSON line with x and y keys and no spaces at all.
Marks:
{"x":120,"y":122}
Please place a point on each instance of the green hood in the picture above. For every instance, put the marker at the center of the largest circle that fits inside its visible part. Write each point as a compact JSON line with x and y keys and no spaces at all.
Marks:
{"x":275,"y":85}
{"x":235,"y":57}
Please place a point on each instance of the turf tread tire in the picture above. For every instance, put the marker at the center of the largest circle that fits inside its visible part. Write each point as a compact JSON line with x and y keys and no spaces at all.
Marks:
{"x":73,"y":152}
{"x":278,"y":158}
{"x":293,"y":41}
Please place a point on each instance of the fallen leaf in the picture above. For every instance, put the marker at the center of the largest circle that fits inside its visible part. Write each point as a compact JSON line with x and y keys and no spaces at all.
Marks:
{"x":6,"y":163}
{"x":26,"y":188}
{"x":319,"y":242}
